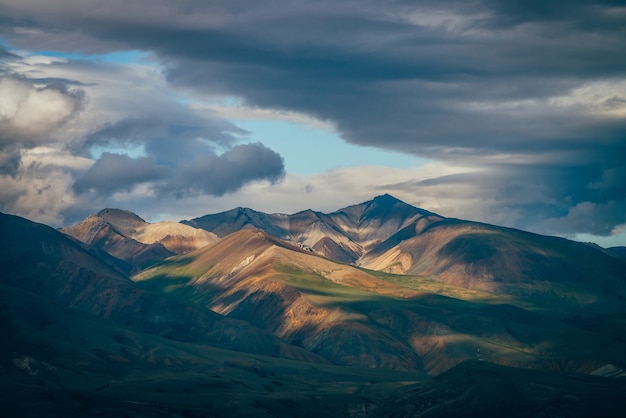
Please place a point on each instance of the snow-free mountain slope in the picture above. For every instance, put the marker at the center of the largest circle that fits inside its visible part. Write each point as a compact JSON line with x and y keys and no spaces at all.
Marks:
{"x":618,"y":252}
{"x":345,"y":235}
{"x":174,"y":236}
{"x":41,"y":261}
{"x":496,"y":259}
{"x":281,"y":288}
{"x":97,"y":233}
{"x":386,"y":234}
{"x":225,"y":223}
{"x":372,"y":222}
{"x":389,"y":235}
{"x":128,"y":237}
{"x":352,"y":316}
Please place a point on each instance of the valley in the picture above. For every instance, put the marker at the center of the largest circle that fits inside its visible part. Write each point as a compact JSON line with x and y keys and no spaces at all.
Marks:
{"x":378,"y":309}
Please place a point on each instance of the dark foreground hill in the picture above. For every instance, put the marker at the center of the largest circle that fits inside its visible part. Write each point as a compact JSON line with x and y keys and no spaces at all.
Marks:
{"x":481,"y":389}
{"x":56,"y":362}
{"x":618,"y":252}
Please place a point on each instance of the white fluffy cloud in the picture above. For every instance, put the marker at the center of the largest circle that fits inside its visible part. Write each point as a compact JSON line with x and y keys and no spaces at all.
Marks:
{"x":41,"y":189}
{"x":28,"y":113}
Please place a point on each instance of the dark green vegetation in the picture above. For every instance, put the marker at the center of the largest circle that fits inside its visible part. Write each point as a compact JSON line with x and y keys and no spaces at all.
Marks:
{"x":58,"y":362}
{"x":482,"y":320}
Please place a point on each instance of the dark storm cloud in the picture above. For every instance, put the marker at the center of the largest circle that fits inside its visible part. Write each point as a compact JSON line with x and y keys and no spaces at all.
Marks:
{"x":182,"y":162}
{"x":423,"y":90}
{"x":548,"y":199}
{"x":115,"y":172}
{"x":10,"y":160}
{"x":169,"y":134}
{"x":455,"y":81}
{"x":206,"y":173}
{"x":126,"y":132}
{"x":219,"y":174}
{"x":598,"y":15}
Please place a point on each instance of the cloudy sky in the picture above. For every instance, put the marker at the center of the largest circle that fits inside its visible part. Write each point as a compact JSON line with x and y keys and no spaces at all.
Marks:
{"x":508,"y":112}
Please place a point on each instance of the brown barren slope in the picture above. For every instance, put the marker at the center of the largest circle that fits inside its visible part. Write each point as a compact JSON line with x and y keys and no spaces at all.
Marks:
{"x":281,"y":288}
{"x":495,"y":259}
{"x":128,"y":237}
{"x":356,"y":317}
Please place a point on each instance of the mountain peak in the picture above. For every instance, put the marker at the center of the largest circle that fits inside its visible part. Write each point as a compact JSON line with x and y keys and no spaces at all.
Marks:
{"x":386,"y":199}
{"x":383,"y":206}
{"x":112,"y":214}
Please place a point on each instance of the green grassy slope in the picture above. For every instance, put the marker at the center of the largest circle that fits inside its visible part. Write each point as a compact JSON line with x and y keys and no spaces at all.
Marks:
{"x":368,"y":318}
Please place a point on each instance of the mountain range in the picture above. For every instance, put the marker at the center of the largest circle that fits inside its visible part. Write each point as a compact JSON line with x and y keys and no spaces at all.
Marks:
{"x":388,"y":235}
{"x":346,"y":235}
{"x":398,"y":303}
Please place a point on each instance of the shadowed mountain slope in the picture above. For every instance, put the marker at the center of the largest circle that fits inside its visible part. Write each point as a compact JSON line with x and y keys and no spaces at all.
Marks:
{"x":23,"y":244}
{"x":57,"y":362}
{"x":128,"y":237}
{"x":40,"y":260}
{"x":617,"y":252}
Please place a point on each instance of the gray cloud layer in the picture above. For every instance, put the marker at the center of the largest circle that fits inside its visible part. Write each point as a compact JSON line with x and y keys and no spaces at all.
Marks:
{"x":115,"y":172}
{"x":533,"y":92}
{"x":205,"y":174}
{"x":216,"y":175}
